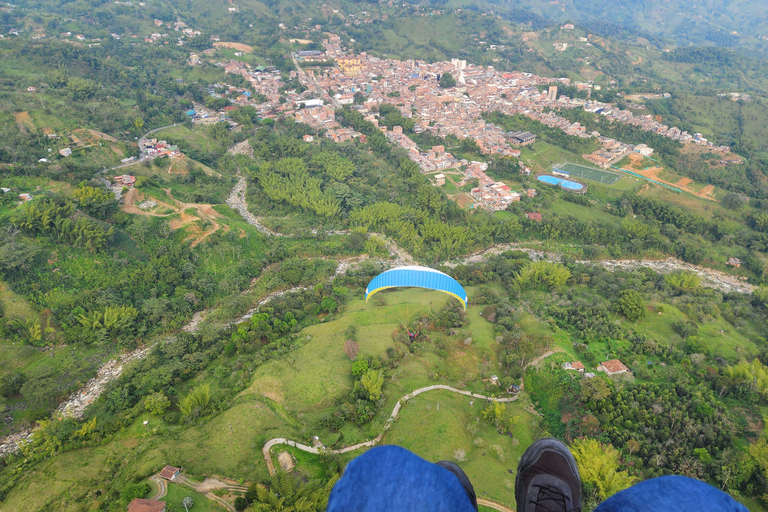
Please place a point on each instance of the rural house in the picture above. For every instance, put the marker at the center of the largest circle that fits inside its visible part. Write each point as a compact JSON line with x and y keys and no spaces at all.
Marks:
{"x":576,"y":365}
{"x":612,"y":367}
{"x":169,"y":473}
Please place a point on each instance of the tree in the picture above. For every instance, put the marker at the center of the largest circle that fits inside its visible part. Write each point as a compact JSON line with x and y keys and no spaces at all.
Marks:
{"x":219,"y":131}
{"x":188,"y":503}
{"x":683,"y":281}
{"x":196,"y":401}
{"x":599,"y":467}
{"x":132,"y":491}
{"x":372,"y":381}
{"x":542,"y":273}
{"x":351,"y":349}
{"x":157,"y":403}
{"x":359,"y":368}
{"x":240,"y":504}
{"x":446,"y":80}
{"x":595,"y":389}
{"x":631,"y":305}
{"x":732,"y":202}
{"x":329,"y":305}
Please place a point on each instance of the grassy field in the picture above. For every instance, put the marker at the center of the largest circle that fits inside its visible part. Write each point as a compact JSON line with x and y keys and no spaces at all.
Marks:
{"x":319,"y":371}
{"x":176,"y":493}
{"x":490,"y":458}
{"x":15,"y":306}
{"x":541,"y":156}
{"x":584,"y":213}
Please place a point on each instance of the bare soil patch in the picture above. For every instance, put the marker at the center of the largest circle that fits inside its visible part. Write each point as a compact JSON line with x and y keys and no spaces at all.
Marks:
{"x":24,"y":121}
{"x":234,"y":46}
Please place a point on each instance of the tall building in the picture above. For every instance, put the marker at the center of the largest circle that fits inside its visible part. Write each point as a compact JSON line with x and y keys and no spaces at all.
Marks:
{"x":552,"y":93}
{"x":459,"y":64}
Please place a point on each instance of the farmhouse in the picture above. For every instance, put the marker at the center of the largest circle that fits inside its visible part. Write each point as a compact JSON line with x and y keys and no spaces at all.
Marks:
{"x":142,"y":505}
{"x":576,"y":365}
{"x":612,"y":367}
{"x":169,"y":473}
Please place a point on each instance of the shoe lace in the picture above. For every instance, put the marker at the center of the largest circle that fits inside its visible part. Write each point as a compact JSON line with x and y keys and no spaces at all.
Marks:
{"x":552,"y":499}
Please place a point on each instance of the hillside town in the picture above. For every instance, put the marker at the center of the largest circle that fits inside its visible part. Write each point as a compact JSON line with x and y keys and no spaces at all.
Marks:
{"x":363,"y":82}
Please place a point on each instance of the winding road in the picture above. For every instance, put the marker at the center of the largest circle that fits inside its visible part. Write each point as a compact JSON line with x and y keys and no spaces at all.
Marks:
{"x":78,"y":401}
{"x":265,"y":451}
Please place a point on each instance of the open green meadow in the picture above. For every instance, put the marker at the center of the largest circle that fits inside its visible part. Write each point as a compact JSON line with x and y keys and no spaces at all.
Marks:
{"x":440,"y":425}
{"x":176,"y":493}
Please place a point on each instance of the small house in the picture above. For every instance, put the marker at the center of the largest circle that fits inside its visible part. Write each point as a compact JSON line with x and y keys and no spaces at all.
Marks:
{"x":142,"y":505}
{"x":126,"y":180}
{"x":169,"y":473}
{"x":31,"y":89}
{"x":65,"y":152}
{"x":308,"y":138}
{"x":575,"y":365}
{"x":25,"y":197}
{"x":612,"y":367}
{"x":735,"y":262}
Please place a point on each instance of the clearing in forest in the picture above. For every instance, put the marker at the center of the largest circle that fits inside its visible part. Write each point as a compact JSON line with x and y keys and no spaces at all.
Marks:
{"x":24,"y":121}
{"x":234,"y":46}
{"x":655,"y":173}
{"x":204,"y":213}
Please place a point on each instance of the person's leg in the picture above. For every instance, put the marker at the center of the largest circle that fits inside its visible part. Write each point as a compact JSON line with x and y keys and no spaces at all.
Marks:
{"x":390,"y":478}
{"x":668,"y":494}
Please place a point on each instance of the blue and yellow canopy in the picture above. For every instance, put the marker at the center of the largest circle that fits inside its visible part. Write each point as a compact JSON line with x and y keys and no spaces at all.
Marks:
{"x":417,"y":277}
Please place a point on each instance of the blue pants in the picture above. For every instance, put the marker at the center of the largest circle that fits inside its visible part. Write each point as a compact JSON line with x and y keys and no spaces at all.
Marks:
{"x":390,"y":478}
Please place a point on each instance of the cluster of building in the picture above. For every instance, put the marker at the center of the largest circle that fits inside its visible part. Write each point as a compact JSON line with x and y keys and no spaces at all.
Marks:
{"x":436,"y":158}
{"x":153,"y":148}
{"x":490,"y":194}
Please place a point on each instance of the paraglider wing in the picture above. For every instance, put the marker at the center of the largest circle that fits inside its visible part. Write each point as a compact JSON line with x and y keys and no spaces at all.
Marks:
{"x":417,"y":277}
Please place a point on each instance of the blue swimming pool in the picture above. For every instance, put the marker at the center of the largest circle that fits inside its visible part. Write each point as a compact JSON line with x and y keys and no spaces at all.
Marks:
{"x":554,"y":180}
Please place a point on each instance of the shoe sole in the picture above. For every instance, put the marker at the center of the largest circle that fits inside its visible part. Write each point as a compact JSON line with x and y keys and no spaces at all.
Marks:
{"x":533,"y":452}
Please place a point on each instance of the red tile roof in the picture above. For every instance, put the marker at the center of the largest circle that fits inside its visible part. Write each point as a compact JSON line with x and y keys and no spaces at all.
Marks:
{"x":576,"y":365}
{"x":614,"y":366}
{"x":168,"y":472}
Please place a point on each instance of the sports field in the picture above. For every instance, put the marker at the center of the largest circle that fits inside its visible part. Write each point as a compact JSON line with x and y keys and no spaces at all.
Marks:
{"x":575,"y":170}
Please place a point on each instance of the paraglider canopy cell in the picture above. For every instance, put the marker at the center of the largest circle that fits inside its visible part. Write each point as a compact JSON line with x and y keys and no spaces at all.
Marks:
{"x":417,"y":277}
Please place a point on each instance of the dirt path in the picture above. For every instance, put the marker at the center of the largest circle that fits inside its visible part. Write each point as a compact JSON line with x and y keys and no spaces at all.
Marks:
{"x":496,"y":506}
{"x":205,"y":212}
{"x":162,"y":488}
{"x":265,"y":451}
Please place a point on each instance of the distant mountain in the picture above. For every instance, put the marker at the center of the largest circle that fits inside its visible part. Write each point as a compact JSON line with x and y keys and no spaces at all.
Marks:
{"x":716,"y":22}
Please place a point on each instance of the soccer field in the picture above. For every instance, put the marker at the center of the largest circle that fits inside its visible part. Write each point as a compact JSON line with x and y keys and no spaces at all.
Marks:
{"x":579,"y":171}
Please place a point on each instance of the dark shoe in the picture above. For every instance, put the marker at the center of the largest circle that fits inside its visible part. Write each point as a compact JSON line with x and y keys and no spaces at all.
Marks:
{"x":463,"y":478}
{"x":548,"y":479}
